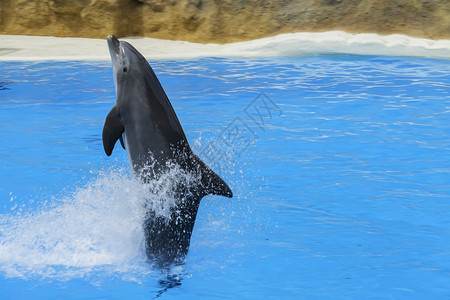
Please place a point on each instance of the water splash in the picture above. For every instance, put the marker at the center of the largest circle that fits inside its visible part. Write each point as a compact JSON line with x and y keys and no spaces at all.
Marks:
{"x":99,"y":225}
{"x":94,"y":229}
{"x":160,"y":193}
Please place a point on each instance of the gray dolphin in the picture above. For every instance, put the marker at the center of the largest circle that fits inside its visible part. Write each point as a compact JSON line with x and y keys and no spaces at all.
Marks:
{"x":146,"y":124}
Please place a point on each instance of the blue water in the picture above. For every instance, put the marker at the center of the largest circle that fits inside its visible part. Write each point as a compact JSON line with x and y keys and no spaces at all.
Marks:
{"x":340,"y":166}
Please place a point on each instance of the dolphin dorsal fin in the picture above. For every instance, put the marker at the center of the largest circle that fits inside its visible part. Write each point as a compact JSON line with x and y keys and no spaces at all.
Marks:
{"x":217,"y":186}
{"x":212,"y":184}
{"x":112,"y":130}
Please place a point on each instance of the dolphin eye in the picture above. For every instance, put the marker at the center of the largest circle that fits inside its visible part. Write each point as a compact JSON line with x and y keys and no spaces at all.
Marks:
{"x":125,"y":69}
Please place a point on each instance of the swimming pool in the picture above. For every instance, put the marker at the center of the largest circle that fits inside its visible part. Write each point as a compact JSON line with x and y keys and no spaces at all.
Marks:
{"x":339,"y":165}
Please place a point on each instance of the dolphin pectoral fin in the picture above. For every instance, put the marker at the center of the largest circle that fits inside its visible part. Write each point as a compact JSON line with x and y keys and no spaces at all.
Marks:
{"x":112,"y":130}
{"x":121,"y":142}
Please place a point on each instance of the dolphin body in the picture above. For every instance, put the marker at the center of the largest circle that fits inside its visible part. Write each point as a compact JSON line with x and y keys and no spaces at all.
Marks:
{"x":146,"y":124}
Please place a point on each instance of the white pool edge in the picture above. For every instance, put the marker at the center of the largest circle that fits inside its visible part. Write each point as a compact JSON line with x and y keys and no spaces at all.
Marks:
{"x":36,"y":48}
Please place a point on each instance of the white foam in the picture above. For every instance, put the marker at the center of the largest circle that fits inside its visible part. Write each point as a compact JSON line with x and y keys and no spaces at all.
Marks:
{"x":17,"y":48}
{"x":98,"y":226}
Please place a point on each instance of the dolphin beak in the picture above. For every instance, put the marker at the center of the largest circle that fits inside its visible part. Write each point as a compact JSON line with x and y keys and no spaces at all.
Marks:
{"x":113,"y":45}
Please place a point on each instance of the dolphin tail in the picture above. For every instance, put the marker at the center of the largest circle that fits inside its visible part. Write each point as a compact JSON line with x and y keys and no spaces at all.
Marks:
{"x":212,"y":184}
{"x":112,"y":130}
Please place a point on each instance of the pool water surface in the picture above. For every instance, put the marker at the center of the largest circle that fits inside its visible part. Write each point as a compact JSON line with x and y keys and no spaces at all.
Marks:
{"x":340,"y":167}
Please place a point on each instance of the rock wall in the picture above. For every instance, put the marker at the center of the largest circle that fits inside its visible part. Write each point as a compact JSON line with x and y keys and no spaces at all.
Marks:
{"x":222,"y":21}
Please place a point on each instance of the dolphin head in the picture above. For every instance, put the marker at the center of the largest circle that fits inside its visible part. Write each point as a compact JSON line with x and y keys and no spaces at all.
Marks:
{"x":126,"y":61}
{"x":119,"y":59}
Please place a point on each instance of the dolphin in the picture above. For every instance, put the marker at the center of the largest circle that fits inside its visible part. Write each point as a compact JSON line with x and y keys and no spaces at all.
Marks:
{"x":145,"y":122}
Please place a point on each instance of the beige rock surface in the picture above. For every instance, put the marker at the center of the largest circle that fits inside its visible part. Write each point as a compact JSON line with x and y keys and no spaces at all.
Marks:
{"x":214,"y":21}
